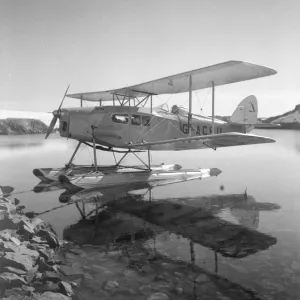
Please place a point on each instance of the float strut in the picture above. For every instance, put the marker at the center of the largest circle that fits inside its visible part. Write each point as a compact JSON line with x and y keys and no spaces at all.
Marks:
{"x":190,"y":106}
{"x":95,"y":155}
{"x":80,"y":211}
{"x":148,"y":167}
{"x":76,"y":149}
{"x":149,"y":158}
{"x":83,"y":209}
{"x":192,"y":251}
{"x":94,"y":146}
{"x":216,"y":262}
{"x":97,"y":217}
{"x":213,"y":107}
{"x":123,"y":158}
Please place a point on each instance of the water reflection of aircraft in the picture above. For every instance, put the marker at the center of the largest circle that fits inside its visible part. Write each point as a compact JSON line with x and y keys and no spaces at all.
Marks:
{"x":132,"y":219}
{"x":198,"y":282}
{"x":130,"y":235}
{"x":197,"y":223}
{"x":200,"y":226}
{"x":242,"y":207}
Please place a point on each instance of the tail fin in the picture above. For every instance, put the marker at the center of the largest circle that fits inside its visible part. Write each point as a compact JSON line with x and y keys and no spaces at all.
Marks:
{"x":246,"y":112}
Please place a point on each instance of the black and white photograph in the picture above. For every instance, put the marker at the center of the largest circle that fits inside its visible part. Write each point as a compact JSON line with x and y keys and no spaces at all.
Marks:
{"x":149,"y":150}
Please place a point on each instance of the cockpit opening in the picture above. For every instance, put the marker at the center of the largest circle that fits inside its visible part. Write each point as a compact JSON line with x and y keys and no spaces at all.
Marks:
{"x":136,"y":120}
{"x":120,"y":118}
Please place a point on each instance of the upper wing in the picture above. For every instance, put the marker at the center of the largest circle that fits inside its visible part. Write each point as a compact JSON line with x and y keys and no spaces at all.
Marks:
{"x":205,"y":141}
{"x":220,"y":74}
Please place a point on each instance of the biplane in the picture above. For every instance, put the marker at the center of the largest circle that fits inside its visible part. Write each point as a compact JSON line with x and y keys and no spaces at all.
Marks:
{"x":122,"y":122}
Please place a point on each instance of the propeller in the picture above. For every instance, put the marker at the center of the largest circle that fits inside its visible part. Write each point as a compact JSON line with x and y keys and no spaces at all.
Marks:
{"x":56,"y":115}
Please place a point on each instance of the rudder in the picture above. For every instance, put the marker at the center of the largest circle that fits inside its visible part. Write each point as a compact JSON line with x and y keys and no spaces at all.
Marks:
{"x":246,"y":112}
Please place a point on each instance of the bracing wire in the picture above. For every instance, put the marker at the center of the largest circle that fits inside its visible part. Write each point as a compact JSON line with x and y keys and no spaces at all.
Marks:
{"x":152,"y":129}
{"x":141,"y":136}
{"x":173,"y":92}
{"x":185,"y":102}
{"x":199,"y":102}
{"x":208,"y":91}
{"x":201,"y":106}
{"x":115,"y":157}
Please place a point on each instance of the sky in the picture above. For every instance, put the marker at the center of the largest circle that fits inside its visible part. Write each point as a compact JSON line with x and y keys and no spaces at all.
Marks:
{"x":100,"y":45}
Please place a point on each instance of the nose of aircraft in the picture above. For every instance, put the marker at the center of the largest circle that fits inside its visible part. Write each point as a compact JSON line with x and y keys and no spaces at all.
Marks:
{"x":55,"y":113}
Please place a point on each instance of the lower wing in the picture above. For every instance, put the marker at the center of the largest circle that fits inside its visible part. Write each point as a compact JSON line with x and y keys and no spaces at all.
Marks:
{"x":205,"y":141}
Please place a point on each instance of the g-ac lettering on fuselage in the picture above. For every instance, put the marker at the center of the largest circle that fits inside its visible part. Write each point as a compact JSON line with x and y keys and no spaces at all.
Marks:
{"x":205,"y":130}
{"x":185,"y":128}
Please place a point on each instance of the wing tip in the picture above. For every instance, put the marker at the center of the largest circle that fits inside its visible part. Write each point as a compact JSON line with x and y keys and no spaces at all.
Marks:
{"x":76,"y":96}
{"x":268,"y":71}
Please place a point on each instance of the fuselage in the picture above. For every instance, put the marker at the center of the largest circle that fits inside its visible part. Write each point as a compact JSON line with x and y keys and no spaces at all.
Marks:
{"x":120,"y":126}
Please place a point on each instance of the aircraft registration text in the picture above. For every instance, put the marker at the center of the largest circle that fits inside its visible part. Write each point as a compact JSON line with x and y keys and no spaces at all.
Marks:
{"x":204,"y":130}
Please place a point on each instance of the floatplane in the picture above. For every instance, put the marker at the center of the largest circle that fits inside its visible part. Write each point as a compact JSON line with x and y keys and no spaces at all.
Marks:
{"x":127,"y":126}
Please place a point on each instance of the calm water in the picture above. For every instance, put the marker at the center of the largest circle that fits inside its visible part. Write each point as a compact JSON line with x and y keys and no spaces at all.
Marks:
{"x":270,"y":173}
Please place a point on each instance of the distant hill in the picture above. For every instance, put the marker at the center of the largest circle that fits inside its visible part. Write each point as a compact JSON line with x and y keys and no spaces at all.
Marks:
{"x":20,"y":114}
{"x":14,"y":126}
{"x":23,"y":122}
{"x":290,"y":119}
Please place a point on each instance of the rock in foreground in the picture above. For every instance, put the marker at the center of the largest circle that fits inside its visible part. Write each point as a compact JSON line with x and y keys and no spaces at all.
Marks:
{"x":26,"y":246}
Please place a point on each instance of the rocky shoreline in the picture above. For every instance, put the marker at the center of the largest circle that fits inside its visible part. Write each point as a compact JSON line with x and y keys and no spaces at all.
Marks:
{"x":29,"y":268}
